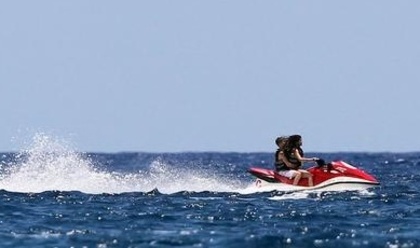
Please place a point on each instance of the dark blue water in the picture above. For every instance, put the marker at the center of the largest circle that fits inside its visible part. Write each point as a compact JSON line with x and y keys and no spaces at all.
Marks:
{"x":51,"y":196}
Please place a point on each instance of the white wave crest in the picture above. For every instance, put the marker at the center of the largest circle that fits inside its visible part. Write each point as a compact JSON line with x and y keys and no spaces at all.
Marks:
{"x":50,"y":164}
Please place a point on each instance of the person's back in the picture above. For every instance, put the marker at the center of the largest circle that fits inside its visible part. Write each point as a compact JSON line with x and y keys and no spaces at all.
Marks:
{"x":279,"y":155}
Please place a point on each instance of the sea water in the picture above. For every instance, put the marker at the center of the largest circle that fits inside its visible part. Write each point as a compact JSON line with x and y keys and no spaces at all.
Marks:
{"x":53,"y":196}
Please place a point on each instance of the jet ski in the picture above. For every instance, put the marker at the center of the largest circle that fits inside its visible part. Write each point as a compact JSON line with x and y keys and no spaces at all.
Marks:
{"x":336,"y":175}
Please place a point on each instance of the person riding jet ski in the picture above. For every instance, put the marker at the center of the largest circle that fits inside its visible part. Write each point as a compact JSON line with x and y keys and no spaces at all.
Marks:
{"x":290,"y":157}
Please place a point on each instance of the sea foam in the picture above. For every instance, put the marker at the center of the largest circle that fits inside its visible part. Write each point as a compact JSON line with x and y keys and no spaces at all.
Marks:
{"x":51,"y":164}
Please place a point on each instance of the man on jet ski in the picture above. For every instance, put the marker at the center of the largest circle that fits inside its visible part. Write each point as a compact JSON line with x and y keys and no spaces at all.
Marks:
{"x":290,"y":157}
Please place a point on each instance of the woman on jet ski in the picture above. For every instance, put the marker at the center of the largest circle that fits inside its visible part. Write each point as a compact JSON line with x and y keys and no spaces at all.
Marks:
{"x":289,"y":158}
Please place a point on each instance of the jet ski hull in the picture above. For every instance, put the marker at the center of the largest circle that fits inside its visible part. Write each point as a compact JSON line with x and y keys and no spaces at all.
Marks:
{"x":337,"y":175}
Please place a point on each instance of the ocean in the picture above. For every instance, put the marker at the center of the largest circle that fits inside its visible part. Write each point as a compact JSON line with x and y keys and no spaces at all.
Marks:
{"x":53,"y":196}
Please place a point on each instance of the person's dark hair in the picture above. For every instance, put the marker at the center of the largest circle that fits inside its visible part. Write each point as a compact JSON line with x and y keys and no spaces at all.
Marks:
{"x":293,"y":142}
{"x":294,"y":139}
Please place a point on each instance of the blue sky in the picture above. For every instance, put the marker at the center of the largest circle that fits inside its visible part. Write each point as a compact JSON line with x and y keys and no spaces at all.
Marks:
{"x":173,"y":76}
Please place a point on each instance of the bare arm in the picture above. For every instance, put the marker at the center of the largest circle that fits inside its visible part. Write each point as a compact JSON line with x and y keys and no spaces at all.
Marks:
{"x":303,"y":159}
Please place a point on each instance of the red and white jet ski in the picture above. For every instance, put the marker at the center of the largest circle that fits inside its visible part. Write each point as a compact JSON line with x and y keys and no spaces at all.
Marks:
{"x":336,"y":175}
